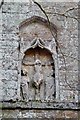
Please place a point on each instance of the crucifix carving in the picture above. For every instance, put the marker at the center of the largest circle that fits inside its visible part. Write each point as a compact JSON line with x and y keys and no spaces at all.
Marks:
{"x":38,"y":76}
{"x":38,"y":73}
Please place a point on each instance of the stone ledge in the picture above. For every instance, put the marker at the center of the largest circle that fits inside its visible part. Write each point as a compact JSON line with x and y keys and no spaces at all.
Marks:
{"x":40,"y":105}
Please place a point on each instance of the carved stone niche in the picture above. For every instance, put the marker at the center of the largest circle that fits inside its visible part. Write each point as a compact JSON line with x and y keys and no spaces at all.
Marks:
{"x":38,"y":54}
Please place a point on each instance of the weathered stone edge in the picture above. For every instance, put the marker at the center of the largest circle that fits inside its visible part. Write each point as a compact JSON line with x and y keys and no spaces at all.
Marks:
{"x":40,"y":105}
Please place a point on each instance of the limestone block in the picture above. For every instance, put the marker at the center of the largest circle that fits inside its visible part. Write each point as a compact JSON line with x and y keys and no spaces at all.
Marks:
{"x":10,"y":75}
{"x":11,"y":37}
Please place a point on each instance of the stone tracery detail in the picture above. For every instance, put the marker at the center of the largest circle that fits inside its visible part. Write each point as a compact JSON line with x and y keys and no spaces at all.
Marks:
{"x":37,"y":43}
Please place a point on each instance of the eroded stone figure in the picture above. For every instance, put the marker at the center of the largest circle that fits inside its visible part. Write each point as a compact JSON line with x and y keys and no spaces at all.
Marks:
{"x":25,"y":85}
{"x":38,"y":76}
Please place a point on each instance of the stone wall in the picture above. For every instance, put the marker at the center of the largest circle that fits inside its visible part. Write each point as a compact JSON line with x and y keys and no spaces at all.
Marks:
{"x":41,"y":114}
{"x":12,"y":15}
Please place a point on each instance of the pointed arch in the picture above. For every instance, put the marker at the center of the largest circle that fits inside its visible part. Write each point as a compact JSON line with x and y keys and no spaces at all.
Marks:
{"x":39,"y":44}
{"x":46,"y":69}
{"x":41,"y":20}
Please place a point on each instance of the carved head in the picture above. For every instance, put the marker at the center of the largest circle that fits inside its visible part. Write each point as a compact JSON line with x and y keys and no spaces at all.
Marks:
{"x":24,"y":72}
{"x":37,"y":62}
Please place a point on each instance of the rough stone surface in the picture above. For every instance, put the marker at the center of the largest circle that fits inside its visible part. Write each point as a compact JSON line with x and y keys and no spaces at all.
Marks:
{"x":38,"y":114}
{"x":19,"y":36}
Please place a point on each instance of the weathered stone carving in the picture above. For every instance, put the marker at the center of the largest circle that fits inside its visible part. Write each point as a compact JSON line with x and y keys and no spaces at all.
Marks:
{"x":39,"y":64}
{"x":37,"y":43}
{"x":38,"y":60}
{"x":38,"y":76}
{"x":24,"y":85}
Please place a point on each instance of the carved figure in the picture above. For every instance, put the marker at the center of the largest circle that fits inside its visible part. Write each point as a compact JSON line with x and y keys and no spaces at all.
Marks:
{"x":38,"y":76}
{"x":24,"y":85}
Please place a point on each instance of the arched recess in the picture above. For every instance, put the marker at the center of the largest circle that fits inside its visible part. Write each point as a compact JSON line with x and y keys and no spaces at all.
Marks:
{"x":35,"y":35}
{"x":39,"y":66}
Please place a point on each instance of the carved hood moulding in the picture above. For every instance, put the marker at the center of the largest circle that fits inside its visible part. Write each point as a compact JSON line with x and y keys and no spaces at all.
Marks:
{"x":41,"y":20}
